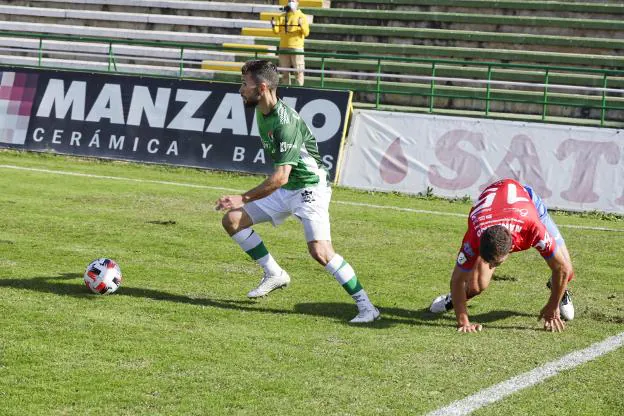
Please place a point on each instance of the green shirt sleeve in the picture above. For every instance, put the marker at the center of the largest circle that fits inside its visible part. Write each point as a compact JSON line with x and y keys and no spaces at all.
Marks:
{"x":288,"y":142}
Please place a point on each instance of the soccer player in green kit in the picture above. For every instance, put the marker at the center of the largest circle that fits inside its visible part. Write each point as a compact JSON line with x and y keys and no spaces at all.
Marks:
{"x":298,"y":186}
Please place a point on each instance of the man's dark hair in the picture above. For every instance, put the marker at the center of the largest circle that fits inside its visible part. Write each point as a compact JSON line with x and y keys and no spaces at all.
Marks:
{"x":262,"y":71}
{"x":495,"y":243}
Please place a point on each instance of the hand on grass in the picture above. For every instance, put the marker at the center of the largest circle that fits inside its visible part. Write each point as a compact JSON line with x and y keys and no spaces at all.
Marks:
{"x":552,"y":319}
{"x":469,"y":328}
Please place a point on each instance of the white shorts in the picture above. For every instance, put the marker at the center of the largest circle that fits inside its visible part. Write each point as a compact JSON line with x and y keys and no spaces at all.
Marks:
{"x":308,"y":205}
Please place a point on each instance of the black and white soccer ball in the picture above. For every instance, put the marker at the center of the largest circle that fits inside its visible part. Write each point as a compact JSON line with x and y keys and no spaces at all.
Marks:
{"x":103,"y":276}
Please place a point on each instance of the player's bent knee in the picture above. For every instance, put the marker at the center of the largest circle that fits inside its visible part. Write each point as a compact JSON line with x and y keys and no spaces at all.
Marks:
{"x":231,"y":221}
{"x":322,"y":253}
{"x":226,"y":221}
{"x":318,"y":256}
{"x":569,"y":272}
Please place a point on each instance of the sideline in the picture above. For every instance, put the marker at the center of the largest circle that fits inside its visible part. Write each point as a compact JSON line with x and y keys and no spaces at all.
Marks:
{"x":499,"y":391}
{"x":218,"y":188}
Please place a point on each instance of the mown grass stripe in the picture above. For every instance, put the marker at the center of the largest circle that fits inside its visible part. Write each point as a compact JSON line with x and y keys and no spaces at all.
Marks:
{"x":219,"y":188}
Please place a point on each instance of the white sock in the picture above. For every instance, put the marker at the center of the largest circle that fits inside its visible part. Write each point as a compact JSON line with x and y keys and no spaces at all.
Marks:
{"x":251,"y":243}
{"x":340,"y":269}
{"x":269,"y":265}
{"x":345,"y":275}
{"x":361,"y":300}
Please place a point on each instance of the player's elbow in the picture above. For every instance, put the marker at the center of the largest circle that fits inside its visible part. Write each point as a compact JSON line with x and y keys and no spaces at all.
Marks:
{"x":283,"y":181}
{"x":565,"y":271}
{"x":280,"y":180}
{"x":281,"y":175}
{"x":568,"y":271}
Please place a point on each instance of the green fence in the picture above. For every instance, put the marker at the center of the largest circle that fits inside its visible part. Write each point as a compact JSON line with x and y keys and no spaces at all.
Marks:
{"x":598,"y":92}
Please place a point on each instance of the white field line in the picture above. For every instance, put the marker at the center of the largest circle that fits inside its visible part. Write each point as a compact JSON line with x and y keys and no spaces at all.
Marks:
{"x":500,"y":391}
{"x":218,"y":188}
{"x":454,"y":214}
{"x":117,"y":178}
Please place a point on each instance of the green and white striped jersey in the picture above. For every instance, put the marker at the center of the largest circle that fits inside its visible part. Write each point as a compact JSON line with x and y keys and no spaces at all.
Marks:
{"x":288,"y":140}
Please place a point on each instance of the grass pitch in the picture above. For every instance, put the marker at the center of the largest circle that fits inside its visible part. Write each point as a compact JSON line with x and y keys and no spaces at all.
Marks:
{"x":180,"y":337}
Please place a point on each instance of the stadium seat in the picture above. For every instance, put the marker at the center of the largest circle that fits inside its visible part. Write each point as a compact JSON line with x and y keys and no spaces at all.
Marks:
{"x":517,"y":6}
{"x":222,"y":66}
{"x":353,"y":32}
{"x":145,"y":18}
{"x":247,"y":6}
{"x":451,"y":52}
{"x":259,"y":32}
{"x":113,"y":33}
{"x":466,"y":38}
{"x":468,"y":18}
{"x":93,"y":50}
{"x":99,"y":66}
{"x":250,"y":47}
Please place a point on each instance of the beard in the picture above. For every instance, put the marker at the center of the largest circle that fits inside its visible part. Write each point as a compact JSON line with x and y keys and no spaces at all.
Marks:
{"x":251,"y":102}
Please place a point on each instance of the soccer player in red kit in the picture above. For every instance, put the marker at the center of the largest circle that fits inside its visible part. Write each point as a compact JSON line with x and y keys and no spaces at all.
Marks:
{"x":508,"y":217}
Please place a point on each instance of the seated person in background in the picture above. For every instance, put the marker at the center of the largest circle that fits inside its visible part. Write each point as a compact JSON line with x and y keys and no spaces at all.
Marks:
{"x":293,"y":28}
{"x":508,"y":217}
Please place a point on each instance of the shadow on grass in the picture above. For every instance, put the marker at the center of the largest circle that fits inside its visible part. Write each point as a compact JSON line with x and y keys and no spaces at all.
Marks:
{"x":427,"y":318}
{"x":333,"y":310}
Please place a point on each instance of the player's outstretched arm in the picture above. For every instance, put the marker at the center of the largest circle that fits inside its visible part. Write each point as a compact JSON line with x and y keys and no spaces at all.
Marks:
{"x":277,"y":179}
{"x":459,"y":279}
{"x":561,"y":270}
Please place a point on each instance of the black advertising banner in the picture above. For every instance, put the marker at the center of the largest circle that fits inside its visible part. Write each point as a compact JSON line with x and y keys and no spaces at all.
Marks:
{"x":170,"y":121}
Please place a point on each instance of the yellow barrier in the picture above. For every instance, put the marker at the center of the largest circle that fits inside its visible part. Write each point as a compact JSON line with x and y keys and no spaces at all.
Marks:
{"x":269,"y":15}
{"x":265,"y":48}
{"x":305,"y":3}
{"x":222,"y":66}
{"x":259,"y":31}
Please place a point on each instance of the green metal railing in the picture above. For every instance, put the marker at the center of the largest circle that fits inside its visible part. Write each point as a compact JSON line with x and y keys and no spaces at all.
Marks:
{"x":428,"y":85}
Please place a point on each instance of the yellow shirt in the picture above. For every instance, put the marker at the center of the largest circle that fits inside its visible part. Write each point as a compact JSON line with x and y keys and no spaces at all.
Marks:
{"x":293,"y":28}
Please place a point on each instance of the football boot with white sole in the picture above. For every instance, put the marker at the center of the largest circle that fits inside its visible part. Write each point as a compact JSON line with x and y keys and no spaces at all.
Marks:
{"x":366,"y":315}
{"x":566,"y":308}
{"x":269,"y":283}
{"x":441,"y":304}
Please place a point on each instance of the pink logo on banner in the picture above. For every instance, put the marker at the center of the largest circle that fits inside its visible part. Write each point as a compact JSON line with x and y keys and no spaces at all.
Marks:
{"x":17,"y":92}
{"x":393,"y":167}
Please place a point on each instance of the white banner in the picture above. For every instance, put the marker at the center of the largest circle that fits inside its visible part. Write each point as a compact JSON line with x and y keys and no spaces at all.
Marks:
{"x":571,"y":167}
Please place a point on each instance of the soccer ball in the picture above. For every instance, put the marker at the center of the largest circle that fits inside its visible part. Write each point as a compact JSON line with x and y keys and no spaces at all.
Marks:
{"x":103,"y":276}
